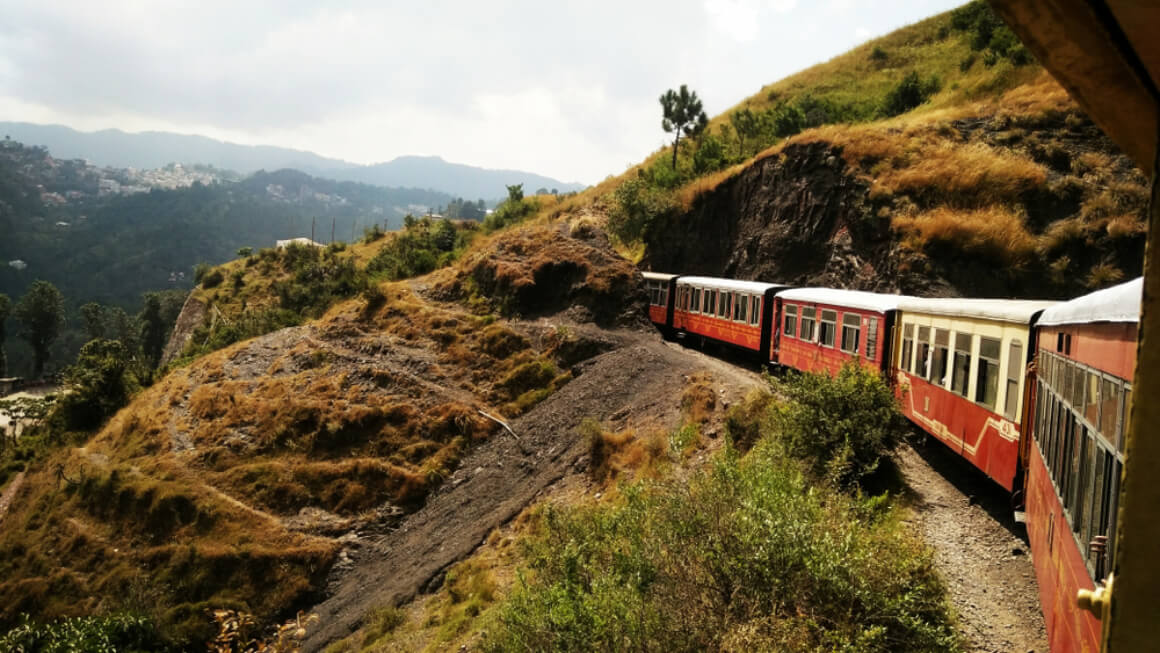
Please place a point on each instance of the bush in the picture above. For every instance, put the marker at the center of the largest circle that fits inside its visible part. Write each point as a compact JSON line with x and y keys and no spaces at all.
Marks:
{"x":748,"y":555}
{"x":122,"y":633}
{"x":910,"y":93}
{"x":243,"y":252}
{"x":840,"y":426}
{"x":635,"y":206}
{"x":878,"y":54}
{"x":212,"y":279}
{"x":100,"y":384}
{"x":710,"y":155}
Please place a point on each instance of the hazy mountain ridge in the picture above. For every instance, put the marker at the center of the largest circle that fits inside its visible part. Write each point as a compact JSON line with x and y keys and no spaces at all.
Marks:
{"x":150,"y":150}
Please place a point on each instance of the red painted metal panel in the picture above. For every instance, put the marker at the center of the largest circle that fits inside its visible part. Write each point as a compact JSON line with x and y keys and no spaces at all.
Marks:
{"x":987,"y":439}
{"x":814,"y":357}
{"x":1059,"y":566}
{"x":657,"y":314}
{"x":1106,"y":346}
{"x":734,"y":333}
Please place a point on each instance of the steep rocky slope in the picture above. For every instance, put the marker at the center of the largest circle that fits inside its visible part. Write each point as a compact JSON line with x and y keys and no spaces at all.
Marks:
{"x":1021,"y":196}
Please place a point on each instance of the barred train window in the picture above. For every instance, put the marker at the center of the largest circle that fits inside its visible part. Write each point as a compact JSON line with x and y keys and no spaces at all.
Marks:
{"x":1110,"y":410}
{"x":808,"y":314}
{"x":851,"y":332}
{"x":738,"y":300}
{"x":710,"y":301}
{"x":922,"y":363}
{"x":664,"y":293}
{"x":754,"y":309}
{"x":907,"y":347}
{"x":744,"y":312}
{"x":1091,"y":406}
{"x":872,"y":339}
{"x":828,"y":328}
{"x":961,"y":375}
{"x":987,"y":382}
{"x":790,"y":328}
{"x":942,"y":339}
{"x":723,"y":303}
{"x":1014,"y":376}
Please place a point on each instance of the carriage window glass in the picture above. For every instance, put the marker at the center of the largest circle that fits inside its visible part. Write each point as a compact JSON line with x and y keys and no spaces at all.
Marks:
{"x":922,"y":363}
{"x":961,"y":374}
{"x":723,"y":303}
{"x":743,"y":309}
{"x":1125,"y":420}
{"x":1109,"y":409}
{"x":665,"y":293}
{"x":872,"y":339}
{"x":1059,"y":342}
{"x":907,"y":347}
{"x":828,"y":328}
{"x":851,"y":332}
{"x":1079,"y":467}
{"x":710,"y":301}
{"x":790,"y":322}
{"x":754,"y":310}
{"x":1091,"y":405}
{"x":1014,"y":377}
{"x":987,"y":377}
{"x":1078,"y":386}
{"x":942,"y":340}
{"x":808,"y":314}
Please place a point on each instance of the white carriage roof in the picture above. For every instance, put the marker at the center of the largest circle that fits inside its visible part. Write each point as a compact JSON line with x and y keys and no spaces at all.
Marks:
{"x":729,"y":284}
{"x":869,"y":301}
{"x":1116,"y":304}
{"x":1019,"y":311}
{"x":657,"y":276}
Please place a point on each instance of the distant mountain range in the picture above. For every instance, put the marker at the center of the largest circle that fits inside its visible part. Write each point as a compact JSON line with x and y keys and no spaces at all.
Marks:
{"x":113,"y":147}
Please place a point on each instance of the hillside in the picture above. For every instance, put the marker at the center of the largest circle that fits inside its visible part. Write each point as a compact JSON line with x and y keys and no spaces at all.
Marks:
{"x":480,"y":444}
{"x":150,"y":150}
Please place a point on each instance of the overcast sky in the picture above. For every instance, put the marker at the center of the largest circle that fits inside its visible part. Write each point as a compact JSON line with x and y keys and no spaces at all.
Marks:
{"x":566,"y":89}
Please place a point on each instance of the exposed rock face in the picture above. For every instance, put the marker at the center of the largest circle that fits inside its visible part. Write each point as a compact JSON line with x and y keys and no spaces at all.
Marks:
{"x":800,"y":217}
{"x":192,"y":314}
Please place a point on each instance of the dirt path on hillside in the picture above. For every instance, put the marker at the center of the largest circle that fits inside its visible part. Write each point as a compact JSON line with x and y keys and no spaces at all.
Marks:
{"x":980,"y":551}
{"x":9,"y":493}
{"x":502,"y":476}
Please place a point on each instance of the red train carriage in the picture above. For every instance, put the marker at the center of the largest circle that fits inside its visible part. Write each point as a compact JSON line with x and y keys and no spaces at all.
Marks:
{"x":738,"y":313}
{"x":1085,"y":363}
{"x":661,"y":293}
{"x":959,"y":366}
{"x":822,"y":328}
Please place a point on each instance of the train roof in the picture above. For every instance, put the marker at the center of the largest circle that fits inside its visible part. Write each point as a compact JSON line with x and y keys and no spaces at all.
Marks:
{"x":730,"y":284}
{"x":1019,"y":311}
{"x":657,"y":276}
{"x":1116,"y":304}
{"x":869,"y":301}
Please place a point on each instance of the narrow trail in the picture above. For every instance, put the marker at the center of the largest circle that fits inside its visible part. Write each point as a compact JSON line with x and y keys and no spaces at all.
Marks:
{"x":980,"y":551}
{"x":10,"y":493}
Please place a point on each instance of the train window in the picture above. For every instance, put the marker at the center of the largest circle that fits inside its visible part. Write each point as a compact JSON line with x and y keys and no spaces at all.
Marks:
{"x":710,"y":301}
{"x":723,"y":303}
{"x":1014,"y":376}
{"x":1080,"y":466}
{"x":790,"y":327}
{"x":1078,"y":385}
{"x":754,"y":310}
{"x":1067,"y":344}
{"x":808,"y":314}
{"x":1125,"y":420}
{"x":1109,"y":409}
{"x":828,"y":328}
{"x":851,"y":332}
{"x":961,"y":375}
{"x":664,"y":294}
{"x":941,"y":351}
{"x":987,"y":381}
{"x":922,"y":363}
{"x":1091,"y":405}
{"x":741,"y":309}
{"x":872,"y":339}
{"x":1059,"y":342}
{"x":907,"y":347}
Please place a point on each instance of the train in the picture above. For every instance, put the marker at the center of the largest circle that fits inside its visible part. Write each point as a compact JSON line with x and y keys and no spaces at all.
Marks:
{"x":1033,"y":393}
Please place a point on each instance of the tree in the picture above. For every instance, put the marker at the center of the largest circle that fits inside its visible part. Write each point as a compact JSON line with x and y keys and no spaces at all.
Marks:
{"x":93,"y":315}
{"x":683,"y":114}
{"x":5,"y":310}
{"x":515,"y":192}
{"x":100,"y":381}
{"x":747,"y":125}
{"x":41,"y":315}
{"x":152,"y":329}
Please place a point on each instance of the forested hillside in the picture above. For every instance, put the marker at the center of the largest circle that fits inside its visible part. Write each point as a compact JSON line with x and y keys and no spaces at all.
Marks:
{"x":111,"y":248}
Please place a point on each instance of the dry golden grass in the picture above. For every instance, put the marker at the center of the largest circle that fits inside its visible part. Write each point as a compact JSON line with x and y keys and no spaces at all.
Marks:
{"x":994,"y":231}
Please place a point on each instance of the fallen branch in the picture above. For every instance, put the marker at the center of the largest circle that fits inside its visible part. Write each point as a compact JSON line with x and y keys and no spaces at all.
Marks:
{"x":501,"y":423}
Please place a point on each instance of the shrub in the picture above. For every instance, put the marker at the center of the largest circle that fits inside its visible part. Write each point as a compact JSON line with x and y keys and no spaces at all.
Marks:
{"x":841,"y":426}
{"x":993,"y":232}
{"x":710,"y":155}
{"x":878,"y":54}
{"x":909,"y":93}
{"x":243,"y":252}
{"x":212,"y":279}
{"x":373,"y":233}
{"x":747,"y":555}
{"x":100,"y":384}
{"x":122,"y":632}
{"x":635,"y":206}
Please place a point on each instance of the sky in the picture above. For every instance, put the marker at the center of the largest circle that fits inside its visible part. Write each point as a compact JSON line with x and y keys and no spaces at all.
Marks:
{"x":565,"y":89}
